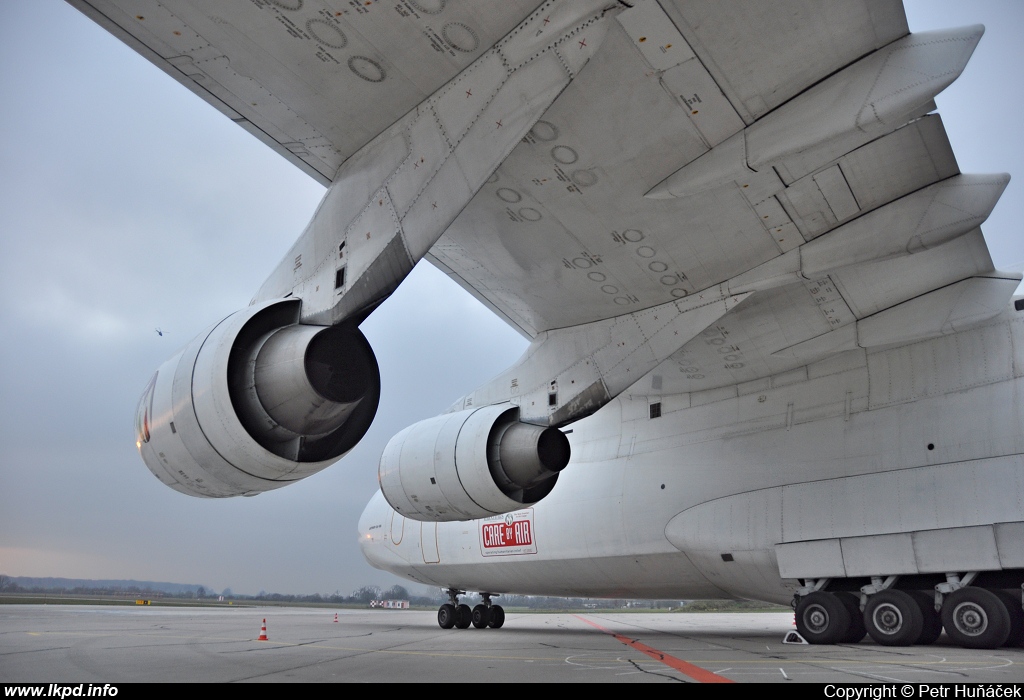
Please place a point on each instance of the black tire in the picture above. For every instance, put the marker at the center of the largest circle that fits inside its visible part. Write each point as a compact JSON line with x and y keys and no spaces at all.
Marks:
{"x":497,"y":617}
{"x":446,"y":616}
{"x":463,"y":617}
{"x":481,"y":616}
{"x":975,"y":618}
{"x":932,"y":627}
{"x":856,"y":630}
{"x":1013,"y":606}
{"x":893,"y":619}
{"x":821,"y":618}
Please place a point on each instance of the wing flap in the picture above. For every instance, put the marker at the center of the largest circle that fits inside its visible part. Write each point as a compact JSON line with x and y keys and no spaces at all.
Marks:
{"x":939,"y":312}
{"x":936,"y":292}
{"x":768,"y":58}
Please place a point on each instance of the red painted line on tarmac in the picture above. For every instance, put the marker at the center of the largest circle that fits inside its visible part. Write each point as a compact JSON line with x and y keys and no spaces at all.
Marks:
{"x":695,"y":672}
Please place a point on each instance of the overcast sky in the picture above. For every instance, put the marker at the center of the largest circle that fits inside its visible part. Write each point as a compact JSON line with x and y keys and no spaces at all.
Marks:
{"x":127,"y":204}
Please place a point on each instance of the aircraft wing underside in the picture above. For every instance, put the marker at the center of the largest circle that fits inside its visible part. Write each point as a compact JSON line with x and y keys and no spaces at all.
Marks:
{"x":565,"y":221}
{"x":314,"y":79}
{"x":563,"y":234}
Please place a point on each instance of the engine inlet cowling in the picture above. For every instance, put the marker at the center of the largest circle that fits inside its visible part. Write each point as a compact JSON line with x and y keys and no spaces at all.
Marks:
{"x":471,"y":464}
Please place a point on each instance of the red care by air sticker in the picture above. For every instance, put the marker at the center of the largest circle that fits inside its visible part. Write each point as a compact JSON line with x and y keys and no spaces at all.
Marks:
{"x":508,"y":534}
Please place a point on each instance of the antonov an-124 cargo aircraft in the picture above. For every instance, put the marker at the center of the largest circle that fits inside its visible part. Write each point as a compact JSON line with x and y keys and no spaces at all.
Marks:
{"x":769,"y":358}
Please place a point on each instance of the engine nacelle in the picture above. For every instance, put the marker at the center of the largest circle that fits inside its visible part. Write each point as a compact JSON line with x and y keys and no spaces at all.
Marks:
{"x":256,"y":402}
{"x":471,"y":464}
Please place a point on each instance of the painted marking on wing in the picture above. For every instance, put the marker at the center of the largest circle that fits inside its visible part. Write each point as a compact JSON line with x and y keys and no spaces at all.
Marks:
{"x":697,"y":673}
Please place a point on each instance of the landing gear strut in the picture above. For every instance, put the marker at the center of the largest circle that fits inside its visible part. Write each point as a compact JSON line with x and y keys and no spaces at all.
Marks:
{"x":458,"y":615}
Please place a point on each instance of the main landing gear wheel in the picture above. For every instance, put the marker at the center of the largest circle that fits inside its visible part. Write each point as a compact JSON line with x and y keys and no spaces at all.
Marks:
{"x":932,"y":627}
{"x":458,"y":615}
{"x":481,"y":616}
{"x":463,"y":617}
{"x":1013,"y":606}
{"x":856,"y":630}
{"x":497,"y":617}
{"x":975,"y":618}
{"x":821,"y":618}
{"x":893,"y":618}
{"x":446,"y":616}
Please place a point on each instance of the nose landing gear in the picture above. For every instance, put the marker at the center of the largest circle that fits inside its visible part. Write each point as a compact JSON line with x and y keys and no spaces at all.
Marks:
{"x":458,"y":615}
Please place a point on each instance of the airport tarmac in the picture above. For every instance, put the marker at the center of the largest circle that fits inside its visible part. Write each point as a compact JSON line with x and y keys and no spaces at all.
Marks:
{"x":106,"y":644}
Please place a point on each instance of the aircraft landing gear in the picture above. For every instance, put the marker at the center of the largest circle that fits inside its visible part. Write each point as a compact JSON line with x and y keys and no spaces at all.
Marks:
{"x":976,"y":613}
{"x":446,"y":616}
{"x":829,"y":618}
{"x":893,"y":618}
{"x":822,"y":618}
{"x":931,"y":627}
{"x":463,"y":617}
{"x":497,"y":617}
{"x":1016,"y":610}
{"x":453,"y":614}
{"x":492,"y":616}
{"x":975,"y":618}
{"x":459,"y":616}
{"x":481,"y":616}
{"x":856,"y":631}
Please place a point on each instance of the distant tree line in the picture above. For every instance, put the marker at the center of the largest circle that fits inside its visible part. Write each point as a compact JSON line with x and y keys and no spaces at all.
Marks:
{"x":9,"y":585}
{"x":363,"y":596}
{"x":73,"y":587}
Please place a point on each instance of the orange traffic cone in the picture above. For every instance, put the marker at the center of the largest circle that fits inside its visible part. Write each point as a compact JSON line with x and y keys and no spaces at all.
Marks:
{"x":263,"y":632}
{"x":335,"y":617}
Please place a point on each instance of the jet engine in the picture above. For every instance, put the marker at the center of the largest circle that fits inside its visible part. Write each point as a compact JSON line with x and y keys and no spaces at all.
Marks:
{"x":256,"y":402}
{"x":471,"y":464}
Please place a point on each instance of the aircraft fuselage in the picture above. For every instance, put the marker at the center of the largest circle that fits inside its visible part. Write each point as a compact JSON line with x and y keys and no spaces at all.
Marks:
{"x":851,"y":467}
